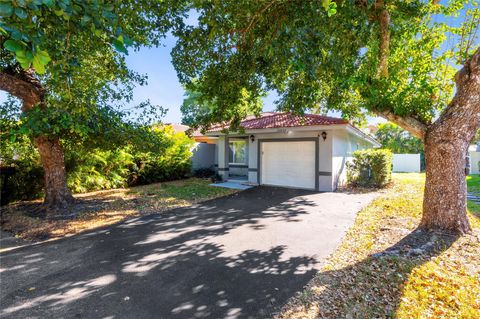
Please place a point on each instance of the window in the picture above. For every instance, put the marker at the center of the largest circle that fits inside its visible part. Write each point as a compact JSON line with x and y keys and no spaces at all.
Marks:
{"x":237,"y":152}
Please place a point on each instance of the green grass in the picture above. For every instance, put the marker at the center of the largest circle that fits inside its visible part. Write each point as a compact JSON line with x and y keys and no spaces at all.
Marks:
{"x":101,"y":208}
{"x":356,"y":282}
{"x":473,"y":184}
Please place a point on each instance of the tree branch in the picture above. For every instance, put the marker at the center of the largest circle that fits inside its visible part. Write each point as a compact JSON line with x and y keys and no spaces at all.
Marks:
{"x":412,"y":125}
{"x":463,"y":112}
{"x":383,"y":52}
{"x":22,"y":85}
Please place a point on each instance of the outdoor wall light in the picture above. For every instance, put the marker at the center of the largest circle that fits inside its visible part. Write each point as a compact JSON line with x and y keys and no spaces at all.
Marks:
{"x":324,"y":135}
{"x":252,"y":138}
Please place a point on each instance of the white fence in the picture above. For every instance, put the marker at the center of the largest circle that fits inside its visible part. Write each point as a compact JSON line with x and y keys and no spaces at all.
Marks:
{"x":406,"y":163}
{"x":474,"y":162}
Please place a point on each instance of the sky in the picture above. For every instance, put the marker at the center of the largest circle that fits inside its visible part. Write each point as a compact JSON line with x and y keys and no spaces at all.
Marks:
{"x":163,"y":87}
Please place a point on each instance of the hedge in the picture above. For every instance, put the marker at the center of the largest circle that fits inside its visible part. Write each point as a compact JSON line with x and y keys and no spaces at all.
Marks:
{"x":370,"y":168}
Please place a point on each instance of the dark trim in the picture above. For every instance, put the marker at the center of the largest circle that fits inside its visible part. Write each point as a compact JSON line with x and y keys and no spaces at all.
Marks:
{"x":216,"y":165}
{"x":253,"y":170}
{"x":223,"y":169}
{"x":238,"y":165}
{"x":297,"y":139}
{"x":324,"y":173}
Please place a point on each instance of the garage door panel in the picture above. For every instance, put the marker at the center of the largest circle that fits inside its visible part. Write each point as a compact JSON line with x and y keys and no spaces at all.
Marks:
{"x":290,"y":164}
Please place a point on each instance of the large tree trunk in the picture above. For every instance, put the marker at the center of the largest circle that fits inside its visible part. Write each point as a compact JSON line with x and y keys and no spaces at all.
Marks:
{"x":445,"y":196}
{"x":446,"y":146}
{"x":24,"y":85}
{"x":57,"y":195}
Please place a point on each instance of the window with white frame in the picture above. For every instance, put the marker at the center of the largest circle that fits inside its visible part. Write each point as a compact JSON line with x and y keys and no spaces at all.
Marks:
{"x":237,"y":152}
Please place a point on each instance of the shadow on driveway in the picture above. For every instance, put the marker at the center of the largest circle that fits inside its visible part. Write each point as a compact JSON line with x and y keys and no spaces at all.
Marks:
{"x":186,"y":263}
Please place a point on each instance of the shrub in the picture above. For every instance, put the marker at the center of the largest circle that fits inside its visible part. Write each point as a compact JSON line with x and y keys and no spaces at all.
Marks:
{"x":166,"y":158}
{"x":370,"y":168}
{"x":98,"y":169}
{"x":169,"y":163}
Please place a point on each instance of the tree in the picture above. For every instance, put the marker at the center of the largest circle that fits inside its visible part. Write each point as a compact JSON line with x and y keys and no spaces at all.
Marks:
{"x":65,"y":61}
{"x":398,"y":140}
{"x":389,"y":58}
{"x":199,"y":112}
{"x":476,"y":139}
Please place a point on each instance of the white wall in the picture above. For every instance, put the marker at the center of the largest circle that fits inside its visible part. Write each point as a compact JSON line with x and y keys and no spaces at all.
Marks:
{"x":325,"y":151}
{"x":334,"y":153}
{"x":203,"y":156}
{"x":474,"y":162}
{"x":344,"y":144}
{"x":406,"y":163}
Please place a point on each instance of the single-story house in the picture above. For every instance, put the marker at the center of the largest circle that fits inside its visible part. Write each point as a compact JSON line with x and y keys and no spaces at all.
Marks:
{"x":282,"y":149}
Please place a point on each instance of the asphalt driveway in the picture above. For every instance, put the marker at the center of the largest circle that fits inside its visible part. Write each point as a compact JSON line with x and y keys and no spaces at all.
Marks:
{"x":240,"y":256}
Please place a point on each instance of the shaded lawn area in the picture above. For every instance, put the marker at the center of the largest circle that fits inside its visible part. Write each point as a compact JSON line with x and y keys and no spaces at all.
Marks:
{"x":385,"y":268}
{"x":96,"y":209}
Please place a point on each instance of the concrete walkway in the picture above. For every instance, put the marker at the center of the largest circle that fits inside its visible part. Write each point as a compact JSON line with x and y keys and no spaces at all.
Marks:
{"x":240,"y":256}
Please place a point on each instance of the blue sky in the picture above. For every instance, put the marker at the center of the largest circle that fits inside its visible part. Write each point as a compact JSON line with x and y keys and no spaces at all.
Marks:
{"x":163,"y":87}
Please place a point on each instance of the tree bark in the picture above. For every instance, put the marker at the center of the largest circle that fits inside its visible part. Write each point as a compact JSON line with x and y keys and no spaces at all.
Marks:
{"x":446,"y":146}
{"x":445,"y":195}
{"x":57,"y":195}
{"x":25,"y":86}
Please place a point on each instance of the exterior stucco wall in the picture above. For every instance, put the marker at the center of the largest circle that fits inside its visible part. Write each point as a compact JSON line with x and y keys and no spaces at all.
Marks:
{"x":334,"y":152}
{"x":344,"y":144}
{"x":203,"y":156}
{"x":406,"y":163}
{"x":325,"y":151}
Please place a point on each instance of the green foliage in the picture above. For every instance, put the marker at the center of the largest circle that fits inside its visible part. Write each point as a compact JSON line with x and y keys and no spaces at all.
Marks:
{"x":314,"y":61}
{"x":198,"y":111}
{"x":164,"y":155}
{"x":370,"y":168}
{"x":77,"y":49}
{"x":397,"y":140}
{"x":163,"y":165}
{"x":98,"y":169}
{"x":476,"y":139}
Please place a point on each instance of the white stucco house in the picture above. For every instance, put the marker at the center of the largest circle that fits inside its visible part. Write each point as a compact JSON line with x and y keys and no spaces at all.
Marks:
{"x":282,"y":149}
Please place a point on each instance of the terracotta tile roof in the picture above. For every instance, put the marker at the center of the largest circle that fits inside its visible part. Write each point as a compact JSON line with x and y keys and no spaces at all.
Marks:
{"x":279,"y":120}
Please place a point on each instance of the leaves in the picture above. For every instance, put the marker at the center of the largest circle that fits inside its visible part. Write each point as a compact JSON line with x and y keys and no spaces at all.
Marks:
{"x":6,"y":9}
{"x":13,"y":45}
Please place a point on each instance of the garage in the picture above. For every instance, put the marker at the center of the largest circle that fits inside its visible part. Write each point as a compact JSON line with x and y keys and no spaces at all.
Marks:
{"x":288,"y":163}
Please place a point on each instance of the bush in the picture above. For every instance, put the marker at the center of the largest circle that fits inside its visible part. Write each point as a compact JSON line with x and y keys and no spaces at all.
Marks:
{"x":166,"y":164}
{"x":370,"y":168}
{"x":96,"y":169}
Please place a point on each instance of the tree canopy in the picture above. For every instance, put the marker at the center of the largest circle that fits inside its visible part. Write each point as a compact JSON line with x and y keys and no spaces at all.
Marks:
{"x":74,"y":51}
{"x":333,"y":63}
{"x":398,"y":140}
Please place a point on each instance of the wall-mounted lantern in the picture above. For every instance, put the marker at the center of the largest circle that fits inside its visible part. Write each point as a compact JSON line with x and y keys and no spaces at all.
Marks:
{"x":252,"y":138}
{"x":324,"y":135}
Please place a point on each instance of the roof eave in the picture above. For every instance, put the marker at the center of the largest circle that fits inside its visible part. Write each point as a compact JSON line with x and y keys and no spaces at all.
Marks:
{"x":282,"y":129}
{"x":352,"y":129}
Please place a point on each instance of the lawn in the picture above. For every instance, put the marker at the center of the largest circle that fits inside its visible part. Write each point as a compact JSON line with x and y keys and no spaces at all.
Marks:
{"x":96,"y":209}
{"x":473,"y":184}
{"x":385,"y":268}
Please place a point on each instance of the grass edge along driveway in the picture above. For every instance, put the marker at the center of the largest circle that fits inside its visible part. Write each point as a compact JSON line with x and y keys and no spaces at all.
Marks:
{"x":102,"y":208}
{"x":386,"y":269}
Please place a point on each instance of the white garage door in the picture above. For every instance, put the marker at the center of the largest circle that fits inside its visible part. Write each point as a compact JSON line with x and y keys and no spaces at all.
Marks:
{"x":290,"y":164}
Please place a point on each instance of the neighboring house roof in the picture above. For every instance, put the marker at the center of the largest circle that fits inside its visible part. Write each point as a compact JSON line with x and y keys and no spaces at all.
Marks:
{"x":278,"y":120}
{"x":178,"y":127}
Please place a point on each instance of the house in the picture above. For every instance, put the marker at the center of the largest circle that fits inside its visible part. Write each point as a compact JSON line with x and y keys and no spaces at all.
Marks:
{"x":282,"y":149}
